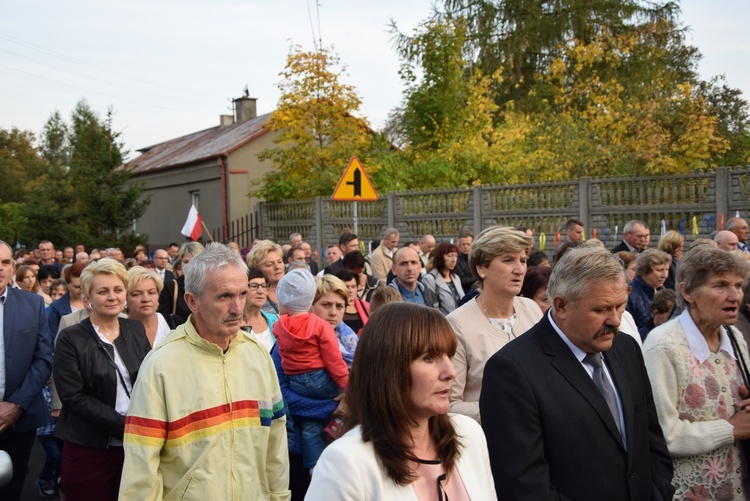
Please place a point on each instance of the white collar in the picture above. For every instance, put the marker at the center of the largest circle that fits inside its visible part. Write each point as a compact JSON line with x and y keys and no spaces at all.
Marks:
{"x":577,"y":352}
{"x":698,"y":345}
{"x":630,"y":247}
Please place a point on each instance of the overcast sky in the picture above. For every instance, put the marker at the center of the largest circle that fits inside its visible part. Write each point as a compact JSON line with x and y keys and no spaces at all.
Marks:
{"x":169,"y":68}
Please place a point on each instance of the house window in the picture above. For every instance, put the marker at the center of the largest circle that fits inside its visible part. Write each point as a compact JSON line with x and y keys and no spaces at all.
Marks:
{"x":196,"y":199}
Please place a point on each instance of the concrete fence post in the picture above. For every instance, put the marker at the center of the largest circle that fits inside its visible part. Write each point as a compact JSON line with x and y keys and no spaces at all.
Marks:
{"x":723,"y":187}
{"x":584,"y":203}
{"x":477,"y":195}
{"x":391,"y":210}
{"x":319,"y":236}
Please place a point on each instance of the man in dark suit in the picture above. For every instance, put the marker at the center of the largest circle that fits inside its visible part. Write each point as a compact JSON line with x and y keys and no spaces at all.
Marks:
{"x":161,"y":264}
{"x":563,"y":423}
{"x":309,"y":259}
{"x":635,"y":238}
{"x":25,"y":366}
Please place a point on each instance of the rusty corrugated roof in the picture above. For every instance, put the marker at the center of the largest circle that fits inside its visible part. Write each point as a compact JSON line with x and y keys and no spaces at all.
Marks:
{"x":198,"y":146}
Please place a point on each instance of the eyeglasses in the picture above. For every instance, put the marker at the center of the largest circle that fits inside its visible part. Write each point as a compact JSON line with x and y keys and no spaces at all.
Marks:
{"x":255,"y":286}
{"x":641,"y":237}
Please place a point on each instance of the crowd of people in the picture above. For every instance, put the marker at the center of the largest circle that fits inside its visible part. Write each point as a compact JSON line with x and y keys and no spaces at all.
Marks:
{"x":481,"y":369}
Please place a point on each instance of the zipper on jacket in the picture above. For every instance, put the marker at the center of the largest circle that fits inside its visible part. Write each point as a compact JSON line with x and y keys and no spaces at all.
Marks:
{"x":228,"y":396}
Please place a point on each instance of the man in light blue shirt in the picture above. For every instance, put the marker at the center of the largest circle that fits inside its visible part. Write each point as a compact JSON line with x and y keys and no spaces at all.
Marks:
{"x":406,"y":268}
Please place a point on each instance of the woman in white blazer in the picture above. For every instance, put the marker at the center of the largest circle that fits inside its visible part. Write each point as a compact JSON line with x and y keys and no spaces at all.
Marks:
{"x":442,"y":280}
{"x":401,"y":443}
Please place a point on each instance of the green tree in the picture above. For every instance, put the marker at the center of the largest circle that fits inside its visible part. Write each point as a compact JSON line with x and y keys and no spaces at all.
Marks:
{"x":96,"y":159}
{"x":434,"y":73}
{"x":19,"y":162}
{"x":605,"y":87}
{"x":55,"y":211}
{"x":12,"y":221}
{"x":733,"y":119}
{"x":524,"y":37}
{"x":55,"y":141}
{"x":318,"y":129}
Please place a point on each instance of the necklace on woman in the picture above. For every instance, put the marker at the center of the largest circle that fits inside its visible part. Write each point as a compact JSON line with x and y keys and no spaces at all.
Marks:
{"x":504,"y":325}
{"x":107,"y":333}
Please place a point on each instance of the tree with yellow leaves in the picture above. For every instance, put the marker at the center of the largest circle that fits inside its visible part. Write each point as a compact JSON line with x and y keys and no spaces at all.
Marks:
{"x":318,"y":129}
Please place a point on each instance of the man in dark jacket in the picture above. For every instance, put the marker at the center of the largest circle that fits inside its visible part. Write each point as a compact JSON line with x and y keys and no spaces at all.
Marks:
{"x":25,"y":366}
{"x":465,"y":239}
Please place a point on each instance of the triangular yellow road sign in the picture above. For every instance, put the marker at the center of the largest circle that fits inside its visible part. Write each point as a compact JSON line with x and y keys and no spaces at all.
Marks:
{"x":354,"y":185}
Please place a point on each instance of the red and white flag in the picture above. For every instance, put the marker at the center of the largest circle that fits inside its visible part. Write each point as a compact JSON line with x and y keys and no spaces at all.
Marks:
{"x":194,"y":225}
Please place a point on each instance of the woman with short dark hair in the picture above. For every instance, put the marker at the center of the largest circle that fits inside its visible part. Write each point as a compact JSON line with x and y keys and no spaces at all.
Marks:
{"x":651,"y":270}
{"x":254,"y":319}
{"x":442,"y":280}
{"x":355,"y":262}
{"x":357,"y":311}
{"x":535,"y":286}
{"x":401,"y":443}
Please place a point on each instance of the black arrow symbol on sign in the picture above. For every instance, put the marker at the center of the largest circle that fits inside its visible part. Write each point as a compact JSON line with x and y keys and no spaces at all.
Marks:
{"x":356,"y":183}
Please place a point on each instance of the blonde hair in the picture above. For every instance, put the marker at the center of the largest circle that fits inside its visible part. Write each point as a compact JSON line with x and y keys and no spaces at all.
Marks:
{"x":670,"y":242}
{"x":104,"y":266}
{"x":260,"y":252}
{"x":330,"y":283}
{"x":138,"y":274}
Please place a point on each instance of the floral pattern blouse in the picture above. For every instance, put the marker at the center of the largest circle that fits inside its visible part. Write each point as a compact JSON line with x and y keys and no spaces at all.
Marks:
{"x":694,"y":397}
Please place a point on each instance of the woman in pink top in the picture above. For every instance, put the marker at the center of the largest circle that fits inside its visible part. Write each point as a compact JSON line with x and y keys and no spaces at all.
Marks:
{"x":401,"y":443}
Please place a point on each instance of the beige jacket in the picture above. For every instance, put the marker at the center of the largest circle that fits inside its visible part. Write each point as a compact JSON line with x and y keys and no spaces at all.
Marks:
{"x":478,"y":340}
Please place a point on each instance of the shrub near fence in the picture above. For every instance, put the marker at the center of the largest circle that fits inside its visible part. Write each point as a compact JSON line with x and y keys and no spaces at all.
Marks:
{"x":603,"y":204}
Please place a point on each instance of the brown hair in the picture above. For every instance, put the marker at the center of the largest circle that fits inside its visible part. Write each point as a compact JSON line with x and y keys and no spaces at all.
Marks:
{"x":664,"y":301}
{"x":380,"y":381}
{"x":438,"y":255}
{"x":626,"y":257}
{"x":650,"y":259}
{"x":382,"y":295}
{"x":73,"y":271}
{"x":495,"y":241}
{"x":21,"y":273}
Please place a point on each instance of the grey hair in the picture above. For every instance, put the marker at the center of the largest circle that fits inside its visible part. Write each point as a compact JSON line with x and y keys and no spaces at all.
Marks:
{"x":390,"y":231}
{"x":494,"y":241}
{"x":579,"y":268}
{"x":3,"y":242}
{"x":732,"y":222}
{"x":629,"y":225}
{"x":648,"y":259}
{"x":214,"y":257}
{"x":701,"y":263}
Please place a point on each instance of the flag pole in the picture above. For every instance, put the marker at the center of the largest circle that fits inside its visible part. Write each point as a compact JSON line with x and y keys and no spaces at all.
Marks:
{"x":206,"y":229}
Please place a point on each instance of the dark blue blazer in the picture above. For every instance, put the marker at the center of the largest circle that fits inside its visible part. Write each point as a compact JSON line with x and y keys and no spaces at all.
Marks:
{"x":550,"y":434}
{"x":57,"y":310}
{"x":28,"y":356}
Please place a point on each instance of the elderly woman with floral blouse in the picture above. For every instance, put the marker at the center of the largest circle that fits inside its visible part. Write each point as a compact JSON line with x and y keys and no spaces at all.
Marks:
{"x":695,"y":363}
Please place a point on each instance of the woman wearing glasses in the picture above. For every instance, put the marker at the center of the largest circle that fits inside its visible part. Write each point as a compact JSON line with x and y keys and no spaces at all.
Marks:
{"x":254,"y":319}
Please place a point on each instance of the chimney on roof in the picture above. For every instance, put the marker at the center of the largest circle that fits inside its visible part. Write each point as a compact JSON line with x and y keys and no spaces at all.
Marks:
{"x":226,"y":119}
{"x":245,"y":108}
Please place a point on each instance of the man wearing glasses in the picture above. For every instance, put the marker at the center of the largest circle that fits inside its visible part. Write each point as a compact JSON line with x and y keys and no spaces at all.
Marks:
{"x":635,"y":237}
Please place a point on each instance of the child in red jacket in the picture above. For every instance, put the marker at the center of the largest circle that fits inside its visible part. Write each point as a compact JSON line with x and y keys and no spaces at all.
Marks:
{"x":310,"y":355}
